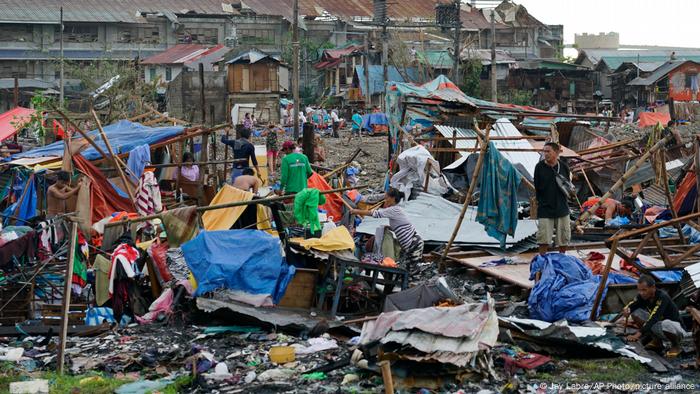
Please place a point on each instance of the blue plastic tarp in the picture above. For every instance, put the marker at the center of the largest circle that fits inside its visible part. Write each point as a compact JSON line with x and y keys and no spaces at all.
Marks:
{"x":248,"y":261}
{"x":123,"y":137}
{"x":368,"y":120}
{"x":566,"y":289}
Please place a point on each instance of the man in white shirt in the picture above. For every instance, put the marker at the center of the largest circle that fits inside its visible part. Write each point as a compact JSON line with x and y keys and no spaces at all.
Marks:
{"x":336,"y":122}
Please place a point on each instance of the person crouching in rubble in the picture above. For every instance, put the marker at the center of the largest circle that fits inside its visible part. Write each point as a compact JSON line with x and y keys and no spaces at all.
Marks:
{"x":411,"y":243}
{"x":610,"y":208}
{"x":656,"y":316}
{"x":552,"y":204}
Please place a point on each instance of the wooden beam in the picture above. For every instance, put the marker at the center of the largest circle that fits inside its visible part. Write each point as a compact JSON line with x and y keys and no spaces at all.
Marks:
{"x":603,"y":282}
{"x":66,"y":296}
{"x":623,"y":179}
{"x":115,"y":163}
{"x":479,"y":163}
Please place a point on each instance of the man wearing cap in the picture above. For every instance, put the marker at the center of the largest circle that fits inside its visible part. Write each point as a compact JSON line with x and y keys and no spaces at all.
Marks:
{"x":295,"y":170}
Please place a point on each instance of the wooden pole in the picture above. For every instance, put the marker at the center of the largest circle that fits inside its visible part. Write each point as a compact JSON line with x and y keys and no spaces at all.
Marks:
{"x":624,"y":178}
{"x":66,"y":296}
{"x":127,"y":185}
{"x":603,"y":281}
{"x":588,"y":182}
{"x":386,"y":377}
{"x":696,"y":155}
{"x":308,"y":141}
{"x":428,"y":165}
{"x":202,"y":103}
{"x":669,"y":197}
{"x":472,"y":185}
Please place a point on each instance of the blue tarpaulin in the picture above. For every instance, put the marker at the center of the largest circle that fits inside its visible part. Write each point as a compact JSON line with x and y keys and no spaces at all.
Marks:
{"x":247,"y":261}
{"x":498,"y":203}
{"x":368,"y":120}
{"x":566,"y":289}
{"x":376,"y":77}
{"x":123,"y":137}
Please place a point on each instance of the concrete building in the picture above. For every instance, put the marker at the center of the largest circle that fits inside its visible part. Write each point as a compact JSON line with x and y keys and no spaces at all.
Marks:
{"x":597,"y":41}
{"x":30,"y":31}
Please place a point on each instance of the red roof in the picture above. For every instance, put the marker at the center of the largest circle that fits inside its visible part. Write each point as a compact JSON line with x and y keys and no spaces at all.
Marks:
{"x":181,"y":54}
{"x":13,"y":120}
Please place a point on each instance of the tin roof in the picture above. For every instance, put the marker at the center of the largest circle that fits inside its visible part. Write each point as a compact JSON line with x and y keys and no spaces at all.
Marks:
{"x":659,"y":73}
{"x":416,"y":10}
{"x":48,"y":11}
{"x":182,"y":53}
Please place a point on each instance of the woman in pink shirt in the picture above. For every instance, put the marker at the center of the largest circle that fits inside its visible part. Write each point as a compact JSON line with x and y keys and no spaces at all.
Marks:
{"x":189,"y":170}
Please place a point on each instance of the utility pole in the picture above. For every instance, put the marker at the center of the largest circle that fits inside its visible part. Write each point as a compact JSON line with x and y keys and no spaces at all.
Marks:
{"x":295,"y":70}
{"x":60,"y":96}
{"x":385,"y":62}
{"x":16,"y":92}
{"x":494,"y":85}
{"x":368,"y":96}
{"x":458,"y":28}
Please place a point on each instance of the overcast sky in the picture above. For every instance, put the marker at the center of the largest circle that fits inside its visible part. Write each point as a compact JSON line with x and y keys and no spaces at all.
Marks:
{"x":645,"y":22}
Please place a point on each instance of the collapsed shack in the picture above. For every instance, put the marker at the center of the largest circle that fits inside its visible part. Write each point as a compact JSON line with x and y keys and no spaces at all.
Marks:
{"x":241,"y":290}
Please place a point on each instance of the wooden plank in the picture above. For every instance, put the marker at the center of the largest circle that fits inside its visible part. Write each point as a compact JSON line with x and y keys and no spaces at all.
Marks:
{"x":66,"y":296}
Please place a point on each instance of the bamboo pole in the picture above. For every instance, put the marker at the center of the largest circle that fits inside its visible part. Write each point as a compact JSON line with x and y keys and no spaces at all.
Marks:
{"x":66,"y":297}
{"x":624,"y":178}
{"x":607,"y":147}
{"x":235,"y":204}
{"x":386,"y":377}
{"x":603,"y":281}
{"x":126,"y":183}
{"x":479,"y":163}
{"x":669,"y":197}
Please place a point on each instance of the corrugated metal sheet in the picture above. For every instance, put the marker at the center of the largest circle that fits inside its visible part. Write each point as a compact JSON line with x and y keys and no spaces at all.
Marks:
{"x":434,"y":219}
{"x":694,"y":272}
{"x":178,"y":54}
{"x":416,"y":10}
{"x":48,"y":11}
{"x":658,"y":73}
{"x":21,"y":54}
{"x":502,"y":128}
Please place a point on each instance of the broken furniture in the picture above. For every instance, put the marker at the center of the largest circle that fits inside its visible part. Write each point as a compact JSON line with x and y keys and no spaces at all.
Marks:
{"x":359,"y":272}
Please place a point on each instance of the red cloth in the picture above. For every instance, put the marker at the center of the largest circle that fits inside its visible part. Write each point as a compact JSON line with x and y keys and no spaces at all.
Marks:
{"x":652,"y":118}
{"x":334,"y":204}
{"x":683,"y":189}
{"x":104,"y":200}
{"x":526,"y":361}
{"x":58,"y":130}
{"x":159,"y":258}
{"x":588,"y":204}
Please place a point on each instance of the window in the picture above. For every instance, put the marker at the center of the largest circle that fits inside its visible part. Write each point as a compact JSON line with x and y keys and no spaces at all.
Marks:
{"x":76,"y":32}
{"x":257,"y":36}
{"x":691,"y":81}
{"x":16,"y":32}
{"x":152,"y":73}
{"x":168,"y":74}
{"x":198,"y":36}
{"x":140,"y":35}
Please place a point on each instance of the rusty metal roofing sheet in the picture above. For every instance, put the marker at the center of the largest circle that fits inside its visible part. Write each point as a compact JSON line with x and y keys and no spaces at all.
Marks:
{"x":415,"y":10}
{"x":48,"y":11}
{"x":177,"y":54}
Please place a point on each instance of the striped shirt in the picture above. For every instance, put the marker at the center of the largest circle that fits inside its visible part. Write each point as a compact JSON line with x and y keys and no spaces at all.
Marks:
{"x":399,"y":224}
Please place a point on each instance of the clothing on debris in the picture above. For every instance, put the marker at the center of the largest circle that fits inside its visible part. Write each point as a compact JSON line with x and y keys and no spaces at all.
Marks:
{"x":139,"y":157}
{"x":180,"y":225}
{"x":306,"y":204}
{"x":498,"y":200}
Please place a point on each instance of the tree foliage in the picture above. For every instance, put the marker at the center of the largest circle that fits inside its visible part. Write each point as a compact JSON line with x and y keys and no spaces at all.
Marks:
{"x":126,"y":98}
{"x":471,"y":77}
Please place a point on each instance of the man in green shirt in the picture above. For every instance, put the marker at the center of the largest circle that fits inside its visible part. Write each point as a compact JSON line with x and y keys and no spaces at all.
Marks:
{"x":295,"y":169}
